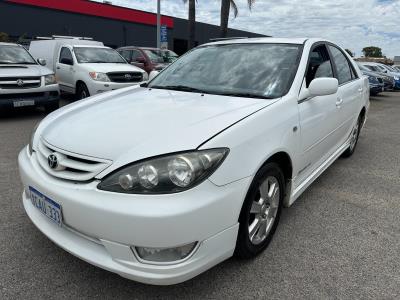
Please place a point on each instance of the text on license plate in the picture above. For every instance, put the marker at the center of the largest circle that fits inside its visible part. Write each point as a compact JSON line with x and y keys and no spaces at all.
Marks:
{"x":48,"y":207}
{"x":20,"y":103}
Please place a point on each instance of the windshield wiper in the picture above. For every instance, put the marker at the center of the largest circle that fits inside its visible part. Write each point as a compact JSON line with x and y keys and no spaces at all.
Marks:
{"x":182,"y":88}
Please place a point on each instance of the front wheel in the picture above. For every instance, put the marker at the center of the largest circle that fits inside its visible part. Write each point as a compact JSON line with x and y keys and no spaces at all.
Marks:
{"x":353,"y":139}
{"x":261,"y":211}
{"x":82,"y":91}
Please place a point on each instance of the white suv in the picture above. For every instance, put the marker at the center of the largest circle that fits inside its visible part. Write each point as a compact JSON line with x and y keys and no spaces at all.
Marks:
{"x":24,"y":82}
{"x":160,"y":183}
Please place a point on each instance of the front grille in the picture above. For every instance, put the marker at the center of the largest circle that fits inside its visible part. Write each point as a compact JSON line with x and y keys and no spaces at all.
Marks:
{"x":70,"y":166}
{"x":21,"y":96}
{"x":19,"y":82}
{"x":125,"y":76}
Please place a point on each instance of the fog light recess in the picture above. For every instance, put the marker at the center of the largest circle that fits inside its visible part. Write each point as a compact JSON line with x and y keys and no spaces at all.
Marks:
{"x":164,"y":255}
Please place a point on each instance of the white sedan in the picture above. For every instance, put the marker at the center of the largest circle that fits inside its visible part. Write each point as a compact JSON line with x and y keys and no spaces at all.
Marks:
{"x":161,"y":182}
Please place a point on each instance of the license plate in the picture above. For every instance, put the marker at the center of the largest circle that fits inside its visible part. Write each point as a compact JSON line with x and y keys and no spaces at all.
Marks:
{"x":20,"y":103}
{"x":46,"y":206}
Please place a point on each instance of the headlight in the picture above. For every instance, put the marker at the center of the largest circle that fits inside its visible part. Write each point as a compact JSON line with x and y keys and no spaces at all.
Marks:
{"x":99,"y":76}
{"x":167,"y":174}
{"x":30,"y":146}
{"x":145,"y":76}
{"x":50,"y":79}
{"x":396,"y":77}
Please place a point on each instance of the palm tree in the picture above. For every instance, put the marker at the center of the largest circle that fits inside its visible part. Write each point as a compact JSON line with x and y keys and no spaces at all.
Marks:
{"x":192,"y":22}
{"x":226,"y":6}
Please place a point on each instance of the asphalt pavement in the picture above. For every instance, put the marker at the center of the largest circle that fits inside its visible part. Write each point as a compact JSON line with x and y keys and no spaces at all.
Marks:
{"x":340,"y":240}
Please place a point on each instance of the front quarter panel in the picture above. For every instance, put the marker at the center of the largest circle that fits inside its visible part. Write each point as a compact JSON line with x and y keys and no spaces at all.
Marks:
{"x":255,"y":139}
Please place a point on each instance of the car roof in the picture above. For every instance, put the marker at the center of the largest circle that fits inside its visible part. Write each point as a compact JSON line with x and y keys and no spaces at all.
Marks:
{"x":90,"y":46}
{"x":9,"y":44}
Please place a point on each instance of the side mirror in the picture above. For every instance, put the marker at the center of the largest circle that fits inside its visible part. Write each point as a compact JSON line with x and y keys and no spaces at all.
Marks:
{"x":41,"y":61}
{"x":323,"y":86}
{"x":140,"y":59}
{"x":153,"y":74}
{"x":66,"y":61}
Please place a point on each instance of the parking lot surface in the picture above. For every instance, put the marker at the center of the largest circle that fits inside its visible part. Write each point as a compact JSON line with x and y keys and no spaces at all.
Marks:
{"x":341,"y":239}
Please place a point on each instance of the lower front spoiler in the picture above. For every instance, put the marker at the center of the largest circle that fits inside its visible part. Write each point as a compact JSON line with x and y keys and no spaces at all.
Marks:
{"x":119,"y":258}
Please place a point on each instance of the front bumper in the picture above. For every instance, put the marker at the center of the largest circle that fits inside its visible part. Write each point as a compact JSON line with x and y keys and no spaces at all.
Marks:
{"x":41,"y":96}
{"x":100,"y":227}
{"x":97,"y":87}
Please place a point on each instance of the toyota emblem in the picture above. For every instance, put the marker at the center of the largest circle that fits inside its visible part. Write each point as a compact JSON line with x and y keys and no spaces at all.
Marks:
{"x":20,"y":82}
{"x":52,"y":160}
{"x":128,"y":76}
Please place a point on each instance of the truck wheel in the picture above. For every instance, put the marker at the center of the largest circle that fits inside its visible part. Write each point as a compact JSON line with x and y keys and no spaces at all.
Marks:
{"x":52,"y":107}
{"x":82,"y":91}
{"x":261,"y":210}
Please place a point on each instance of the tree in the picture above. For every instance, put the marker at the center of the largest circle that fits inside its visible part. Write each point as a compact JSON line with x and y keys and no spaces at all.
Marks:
{"x":226,"y":6}
{"x":349,"y":52}
{"x":372,"y":51}
{"x":3,"y":37}
{"x":192,"y":22}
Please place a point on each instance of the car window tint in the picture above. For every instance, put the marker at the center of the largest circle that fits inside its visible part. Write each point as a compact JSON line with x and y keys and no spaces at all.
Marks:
{"x":65,"y":53}
{"x":126,"y":54}
{"x":319,"y":64}
{"x":342,"y":65}
{"x":136,"y":54}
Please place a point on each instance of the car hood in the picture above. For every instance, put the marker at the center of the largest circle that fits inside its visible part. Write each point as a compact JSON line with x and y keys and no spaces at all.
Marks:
{"x":136,"y":123}
{"x":111,"y":67}
{"x":7,"y":70}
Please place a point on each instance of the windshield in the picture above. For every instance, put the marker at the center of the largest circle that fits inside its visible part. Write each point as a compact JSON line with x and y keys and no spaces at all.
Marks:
{"x":373,"y":68}
{"x":10,"y":54}
{"x":97,"y":55}
{"x":154,"y":55}
{"x":242,"y":70}
{"x":363,"y":68}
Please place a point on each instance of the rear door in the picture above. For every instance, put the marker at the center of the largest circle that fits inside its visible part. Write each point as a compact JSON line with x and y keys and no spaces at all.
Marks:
{"x":65,"y":70}
{"x":349,"y":94}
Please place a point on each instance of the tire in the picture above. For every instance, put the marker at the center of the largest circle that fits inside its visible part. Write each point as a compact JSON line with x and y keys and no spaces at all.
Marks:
{"x":52,"y":107}
{"x":355,"y":133}
{"x":257,"y":210}
{"x":82,"y":91}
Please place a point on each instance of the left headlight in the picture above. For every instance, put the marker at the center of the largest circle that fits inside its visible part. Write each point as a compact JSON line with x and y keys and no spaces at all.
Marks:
{"x":145,"y":76}
{"x":50,"y":79}
{"x":97,"y":76}
{"x":167,"y":174}
{"x":396,"y":78}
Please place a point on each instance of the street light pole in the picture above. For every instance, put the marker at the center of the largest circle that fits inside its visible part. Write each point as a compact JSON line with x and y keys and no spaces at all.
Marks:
{"x":158,"y":24}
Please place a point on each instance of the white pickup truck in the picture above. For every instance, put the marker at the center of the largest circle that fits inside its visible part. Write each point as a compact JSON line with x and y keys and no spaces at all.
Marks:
{"x":86,"y":67}
{"x":24,"y":82}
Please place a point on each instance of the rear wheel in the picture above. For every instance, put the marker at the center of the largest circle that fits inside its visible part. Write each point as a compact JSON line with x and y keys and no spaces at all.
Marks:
{"x":353,"y":138}
{"x":261,"y":211}
{"x":82,"y":91}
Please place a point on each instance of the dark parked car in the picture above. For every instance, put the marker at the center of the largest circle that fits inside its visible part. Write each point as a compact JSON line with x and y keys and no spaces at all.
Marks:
{"x":149,"y":59}
{"x":387,"y":80}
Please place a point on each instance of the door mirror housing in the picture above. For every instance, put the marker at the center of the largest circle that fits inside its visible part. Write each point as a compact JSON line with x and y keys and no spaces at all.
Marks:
{"x":41,"y":61}
{"x":323,"y":87}
{"x":153,"y":74}
{"x":66,"y":61}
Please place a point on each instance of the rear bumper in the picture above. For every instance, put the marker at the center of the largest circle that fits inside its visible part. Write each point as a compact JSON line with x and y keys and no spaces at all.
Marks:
{"x":36,"y":97}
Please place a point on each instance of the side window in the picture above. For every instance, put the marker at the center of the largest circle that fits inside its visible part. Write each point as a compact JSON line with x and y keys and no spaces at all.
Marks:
{"x":319,"y":64}
{"x":344,"y":72}
{"x":65,"y":55}
{"x":126,"y":54}
{"x":136,"y":54}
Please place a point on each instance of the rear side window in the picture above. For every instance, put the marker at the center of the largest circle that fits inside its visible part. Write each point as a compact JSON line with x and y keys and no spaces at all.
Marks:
{"x":65,"y":53}
{"x":344,"y":71}
{"x":136,"y":54}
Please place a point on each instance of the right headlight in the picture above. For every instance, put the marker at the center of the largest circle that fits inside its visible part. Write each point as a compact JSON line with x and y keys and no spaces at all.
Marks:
{"x":167,"y":174}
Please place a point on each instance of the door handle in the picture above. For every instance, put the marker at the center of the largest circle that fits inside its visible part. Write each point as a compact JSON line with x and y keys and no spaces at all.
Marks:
{"x":360,"y":90}
{"x":58,"y":68}
{"x":339,"y":102}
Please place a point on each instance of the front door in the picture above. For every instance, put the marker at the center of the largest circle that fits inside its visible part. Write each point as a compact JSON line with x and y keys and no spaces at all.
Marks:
{"x":65,"y":70}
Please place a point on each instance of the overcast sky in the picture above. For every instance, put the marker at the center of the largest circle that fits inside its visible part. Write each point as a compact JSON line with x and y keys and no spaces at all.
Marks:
{"x":352,"y":24}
